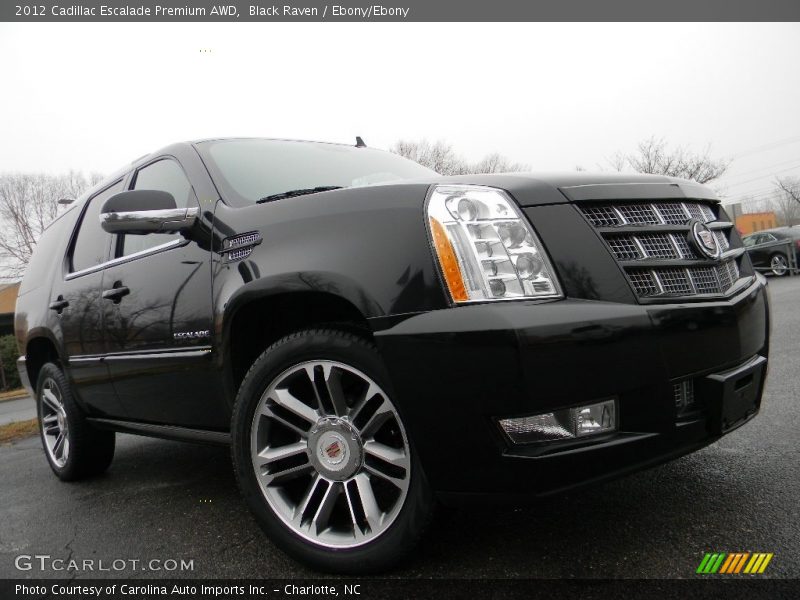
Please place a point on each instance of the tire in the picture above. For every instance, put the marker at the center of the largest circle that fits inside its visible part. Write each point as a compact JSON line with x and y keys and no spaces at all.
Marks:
{"x":332,"y":502}
{"x":83,"y":450}
{"x":778,"y":265}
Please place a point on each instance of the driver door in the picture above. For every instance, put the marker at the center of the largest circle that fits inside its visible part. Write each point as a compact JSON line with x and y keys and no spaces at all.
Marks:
{"x":158,"y":316}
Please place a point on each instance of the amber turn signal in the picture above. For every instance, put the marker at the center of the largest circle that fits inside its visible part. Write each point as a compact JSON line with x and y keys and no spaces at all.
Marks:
{"x":449,"y":262}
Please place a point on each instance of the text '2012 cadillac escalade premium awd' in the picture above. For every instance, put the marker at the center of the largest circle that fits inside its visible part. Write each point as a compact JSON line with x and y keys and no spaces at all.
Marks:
{"x":371,"y":338}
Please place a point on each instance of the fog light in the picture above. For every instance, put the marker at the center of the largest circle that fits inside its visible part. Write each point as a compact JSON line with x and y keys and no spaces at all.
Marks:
{"x":569,"y":423}
{"x":595,"y":418}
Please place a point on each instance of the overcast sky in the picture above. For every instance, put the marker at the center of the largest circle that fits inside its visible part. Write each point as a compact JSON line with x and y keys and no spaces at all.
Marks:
{"x":95,"y":96}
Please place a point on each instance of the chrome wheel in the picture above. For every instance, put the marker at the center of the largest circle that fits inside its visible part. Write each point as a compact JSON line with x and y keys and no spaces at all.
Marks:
{"x":779,"y":265}
{"x":55,"y":428}
{"x":330,"y":454}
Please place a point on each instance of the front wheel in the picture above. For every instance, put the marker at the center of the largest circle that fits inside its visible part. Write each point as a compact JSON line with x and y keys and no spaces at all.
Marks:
{"x":778,"y":265}
{"x":322,"y":455}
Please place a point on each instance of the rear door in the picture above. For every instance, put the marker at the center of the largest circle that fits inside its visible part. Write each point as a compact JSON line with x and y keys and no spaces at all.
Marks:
{"x":158,"y":317}
{"x":76,"y":299}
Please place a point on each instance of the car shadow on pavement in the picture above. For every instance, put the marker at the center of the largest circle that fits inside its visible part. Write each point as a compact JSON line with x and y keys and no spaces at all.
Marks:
{"x":651,"y":524}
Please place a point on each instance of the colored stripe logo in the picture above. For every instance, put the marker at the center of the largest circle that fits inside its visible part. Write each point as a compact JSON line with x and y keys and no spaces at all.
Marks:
{"x":734,"y":563}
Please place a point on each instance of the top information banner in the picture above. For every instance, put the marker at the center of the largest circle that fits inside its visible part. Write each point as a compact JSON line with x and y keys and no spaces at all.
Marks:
{"x":402,"y":10}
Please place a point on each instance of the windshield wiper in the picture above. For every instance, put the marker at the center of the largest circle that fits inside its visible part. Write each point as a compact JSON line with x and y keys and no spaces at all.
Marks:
{"x":300,"y":192}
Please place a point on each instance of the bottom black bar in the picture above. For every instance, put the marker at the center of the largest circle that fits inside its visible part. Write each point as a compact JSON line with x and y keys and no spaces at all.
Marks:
{"x":732,"y":587}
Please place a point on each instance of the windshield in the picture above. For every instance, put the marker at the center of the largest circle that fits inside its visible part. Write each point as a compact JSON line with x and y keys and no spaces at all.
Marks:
{"x":247,"y":170}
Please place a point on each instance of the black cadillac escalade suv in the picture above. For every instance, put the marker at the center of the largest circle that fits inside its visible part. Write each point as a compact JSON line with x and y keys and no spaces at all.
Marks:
{"x":371,"y":338}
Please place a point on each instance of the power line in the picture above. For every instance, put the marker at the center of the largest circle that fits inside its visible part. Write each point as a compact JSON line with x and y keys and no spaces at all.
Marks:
{"x":797,"y":166}
{"x":769,"y":146}
{"x":745,"y":173}
{"x":761,"y":192}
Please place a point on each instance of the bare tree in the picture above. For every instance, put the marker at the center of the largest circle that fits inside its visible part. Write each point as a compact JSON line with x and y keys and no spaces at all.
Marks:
{"x":497,"y":163}
{"x":441,"y":157}
{"x":654,"y":156}
{"x":787,"y":200}
{"x":28,"y":204}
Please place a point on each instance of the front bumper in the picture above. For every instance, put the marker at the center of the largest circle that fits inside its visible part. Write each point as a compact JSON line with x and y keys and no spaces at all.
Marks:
{"x":457,"y":371}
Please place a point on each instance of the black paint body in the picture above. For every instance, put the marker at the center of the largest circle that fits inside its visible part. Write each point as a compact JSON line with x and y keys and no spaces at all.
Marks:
{"x":455,"y":369}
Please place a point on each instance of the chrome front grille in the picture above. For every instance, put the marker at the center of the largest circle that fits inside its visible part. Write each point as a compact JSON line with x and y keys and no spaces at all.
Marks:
{"x":602,"y":216}
{"x":641,"y":213}
{"x":706,"y":280}
{"x":653,"y":243}
{"x":644,"y":283}
{"x":650,"y":245}
{"x":673,"y":213}
{"x":722,"y":240}
{"x":658,"y":245}
{"x":638,"y":214}
{"x":686,"y":251}
{"x":624,"y":247}
{"x":686,"y":281}
{"x":674,"y":281}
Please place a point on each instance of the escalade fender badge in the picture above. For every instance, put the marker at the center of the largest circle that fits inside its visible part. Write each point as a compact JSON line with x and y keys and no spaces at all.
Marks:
{"x":240,"y":246}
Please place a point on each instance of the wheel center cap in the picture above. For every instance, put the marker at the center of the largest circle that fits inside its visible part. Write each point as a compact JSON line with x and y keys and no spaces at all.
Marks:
{"x":60,"y":420}
{"x":334,"y":449}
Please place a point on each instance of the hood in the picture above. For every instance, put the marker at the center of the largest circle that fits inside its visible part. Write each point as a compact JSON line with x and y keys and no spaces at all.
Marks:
{"x":532,"y":189}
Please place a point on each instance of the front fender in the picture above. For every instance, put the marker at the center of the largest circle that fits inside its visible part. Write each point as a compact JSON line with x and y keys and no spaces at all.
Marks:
{"x":368,"y":246}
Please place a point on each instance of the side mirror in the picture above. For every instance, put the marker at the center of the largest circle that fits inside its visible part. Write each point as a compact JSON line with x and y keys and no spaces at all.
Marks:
{"x":145,"y":211}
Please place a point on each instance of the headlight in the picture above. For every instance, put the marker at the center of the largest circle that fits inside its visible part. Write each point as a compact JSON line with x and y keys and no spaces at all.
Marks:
{"x":486,"y":249}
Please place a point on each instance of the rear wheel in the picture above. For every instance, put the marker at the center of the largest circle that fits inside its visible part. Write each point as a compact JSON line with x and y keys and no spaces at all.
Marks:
{"x":322,"y":456}
{"x":778,"y":265}
{"x":74,"y":448}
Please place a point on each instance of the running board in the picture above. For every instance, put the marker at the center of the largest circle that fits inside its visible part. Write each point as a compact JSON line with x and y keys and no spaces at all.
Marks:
{"x":168,"y":432}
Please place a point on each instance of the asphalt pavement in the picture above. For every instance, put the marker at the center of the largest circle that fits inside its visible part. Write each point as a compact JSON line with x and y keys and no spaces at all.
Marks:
{"x":18,"y":409}
{"x":166,"y":500}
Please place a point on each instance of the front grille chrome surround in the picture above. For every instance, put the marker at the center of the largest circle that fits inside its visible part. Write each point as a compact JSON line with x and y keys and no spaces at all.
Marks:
{"x":652,"y":243}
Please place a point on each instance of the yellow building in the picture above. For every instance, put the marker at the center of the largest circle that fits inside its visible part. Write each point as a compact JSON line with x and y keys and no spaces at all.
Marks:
{"x":8,"y":300}
{"x":752,"y":222}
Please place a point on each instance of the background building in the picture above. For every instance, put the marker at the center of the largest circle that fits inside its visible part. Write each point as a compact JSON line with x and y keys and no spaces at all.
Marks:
{"x":751,"y":222}
{"x":8,"y":300}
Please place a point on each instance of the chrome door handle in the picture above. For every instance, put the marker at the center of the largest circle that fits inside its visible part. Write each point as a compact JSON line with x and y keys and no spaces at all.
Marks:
{"x":116,"y":293}
{"x":59,"y":304}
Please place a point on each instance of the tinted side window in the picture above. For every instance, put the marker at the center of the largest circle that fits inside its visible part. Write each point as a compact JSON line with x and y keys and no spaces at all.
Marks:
{"x":50,"y":244}
{"x":167,"y":176}
{"x":91,"y":243}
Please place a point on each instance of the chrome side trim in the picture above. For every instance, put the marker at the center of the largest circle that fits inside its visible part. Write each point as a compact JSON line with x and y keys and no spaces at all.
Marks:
{"x":135,"y":355}
{"x":167,"y":353}
{"x":123,"y":259}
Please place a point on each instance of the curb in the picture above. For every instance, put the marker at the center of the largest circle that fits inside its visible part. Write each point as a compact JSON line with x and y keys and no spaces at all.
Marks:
{"x":22,"y":394}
